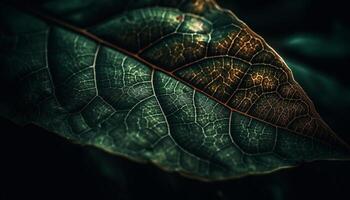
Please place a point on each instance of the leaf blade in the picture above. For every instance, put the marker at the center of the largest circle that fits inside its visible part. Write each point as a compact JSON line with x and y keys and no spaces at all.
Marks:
{"x":171,"y":125}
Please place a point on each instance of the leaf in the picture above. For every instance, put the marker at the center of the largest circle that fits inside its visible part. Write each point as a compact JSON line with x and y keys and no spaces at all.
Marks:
{"x":184,"y":85}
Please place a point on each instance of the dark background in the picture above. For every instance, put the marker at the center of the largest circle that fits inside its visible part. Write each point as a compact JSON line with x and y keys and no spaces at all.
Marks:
{"x":309,"y":34}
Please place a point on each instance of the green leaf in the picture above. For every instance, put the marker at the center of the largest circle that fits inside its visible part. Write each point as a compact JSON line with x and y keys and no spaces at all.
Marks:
{"x":184,"y":85}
